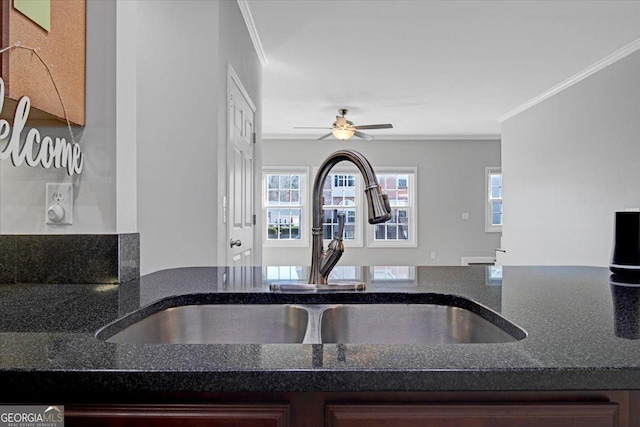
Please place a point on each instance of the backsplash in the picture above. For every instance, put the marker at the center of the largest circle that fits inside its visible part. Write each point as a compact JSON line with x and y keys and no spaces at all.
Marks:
{"x":69,"y":258}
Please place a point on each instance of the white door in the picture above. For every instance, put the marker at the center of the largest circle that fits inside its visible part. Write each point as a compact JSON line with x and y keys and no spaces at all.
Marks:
{"x":240,"y":223}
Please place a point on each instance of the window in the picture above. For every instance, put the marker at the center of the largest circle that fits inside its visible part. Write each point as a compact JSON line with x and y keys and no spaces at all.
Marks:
{"x":284,"y":206}
{"x":286,"y":209}
{"x":401,"y":229}
{"x":341,"y":193}
{"x":493,"y":200}
{"x":344,"y":181}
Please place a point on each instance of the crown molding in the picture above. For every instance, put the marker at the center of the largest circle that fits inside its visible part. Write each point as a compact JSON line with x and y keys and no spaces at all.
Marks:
{"x":253,"y":32}
{"x":604,"y":62}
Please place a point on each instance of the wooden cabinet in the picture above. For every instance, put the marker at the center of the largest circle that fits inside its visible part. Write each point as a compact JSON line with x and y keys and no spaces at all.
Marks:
{"x":605,"y":408}
{"x":465,"y":415}
{"x":192,"y":415}
{"x":61,"y":46}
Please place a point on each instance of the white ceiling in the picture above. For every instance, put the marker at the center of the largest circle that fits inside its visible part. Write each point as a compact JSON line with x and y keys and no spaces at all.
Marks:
{"x":432,"y":68}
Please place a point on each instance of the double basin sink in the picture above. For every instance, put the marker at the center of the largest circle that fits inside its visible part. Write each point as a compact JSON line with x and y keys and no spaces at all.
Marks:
{"x":315,"y":324}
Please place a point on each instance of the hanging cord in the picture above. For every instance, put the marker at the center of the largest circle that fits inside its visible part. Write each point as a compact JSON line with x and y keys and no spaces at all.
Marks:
{"x":55,"y":86}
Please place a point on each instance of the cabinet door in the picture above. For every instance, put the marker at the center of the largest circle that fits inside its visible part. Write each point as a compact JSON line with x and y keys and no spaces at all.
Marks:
{"x":173,"y":415}
{"x":494,"y":415}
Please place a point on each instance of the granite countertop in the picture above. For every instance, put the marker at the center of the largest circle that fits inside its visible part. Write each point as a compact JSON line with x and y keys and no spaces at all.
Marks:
{"x":578,"y":339}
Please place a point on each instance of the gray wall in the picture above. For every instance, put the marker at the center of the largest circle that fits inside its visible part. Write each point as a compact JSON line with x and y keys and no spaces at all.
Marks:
{"x":184,"y":48}
{"x":450,"y":182}
{"x":569,"y":163}
{"x":236,"y":48}
{"x":22,"y":189}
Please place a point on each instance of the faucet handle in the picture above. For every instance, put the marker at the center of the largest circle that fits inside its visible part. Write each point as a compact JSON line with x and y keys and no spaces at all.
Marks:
{"x":335,"y":249}
{"x":342,"y":220}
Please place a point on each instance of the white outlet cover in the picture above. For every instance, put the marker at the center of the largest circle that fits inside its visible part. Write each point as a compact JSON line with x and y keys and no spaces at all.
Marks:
{"x":59,"y":194}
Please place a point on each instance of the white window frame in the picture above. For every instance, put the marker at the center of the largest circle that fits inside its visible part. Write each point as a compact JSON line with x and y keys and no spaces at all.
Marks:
{"x":305,"y":223}
{"x":358,"y":242}
{"x":488,"y":226}
{"x":412,"y":241}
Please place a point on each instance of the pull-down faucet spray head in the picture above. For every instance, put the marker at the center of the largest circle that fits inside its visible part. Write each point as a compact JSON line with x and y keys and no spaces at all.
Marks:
{"x":378,"y":204}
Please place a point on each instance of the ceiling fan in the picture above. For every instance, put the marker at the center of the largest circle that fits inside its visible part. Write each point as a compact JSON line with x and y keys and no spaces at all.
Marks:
{"x":344,"y":129}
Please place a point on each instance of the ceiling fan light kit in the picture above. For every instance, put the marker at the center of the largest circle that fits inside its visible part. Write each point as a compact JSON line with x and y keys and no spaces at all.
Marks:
{"x":343,"y":129}
{"x":343,"y":134}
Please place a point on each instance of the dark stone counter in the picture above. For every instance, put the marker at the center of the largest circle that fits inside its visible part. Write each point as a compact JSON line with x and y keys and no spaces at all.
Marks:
{"x":578,"y":339}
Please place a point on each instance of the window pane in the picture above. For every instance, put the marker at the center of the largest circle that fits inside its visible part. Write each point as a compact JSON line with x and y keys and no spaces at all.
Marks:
{"x":283,"y":224}
{"x":330,"y":223}
{"x":496,"y":192}
{"x":496,"y":212}
{"x":284,"y":190}
{"x":397,"y":228}
{"x":496,"y":186}
{"x":339,"y":192}
{"x":396,"y":186}
{"x":496,"y":219}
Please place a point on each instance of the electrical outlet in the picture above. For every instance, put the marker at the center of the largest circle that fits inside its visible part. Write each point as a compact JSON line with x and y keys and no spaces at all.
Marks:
{"x":465,"y":215}
{"x":59,"y":204}
{"x":433,"y":255}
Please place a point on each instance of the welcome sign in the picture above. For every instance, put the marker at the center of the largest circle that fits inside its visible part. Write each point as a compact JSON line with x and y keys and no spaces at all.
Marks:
{"x":36,"y":150}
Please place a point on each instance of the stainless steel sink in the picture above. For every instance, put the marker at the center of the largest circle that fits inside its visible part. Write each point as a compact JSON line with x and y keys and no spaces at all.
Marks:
{"x":409,"y":324}
{"x":313,"y":324}
{"x":218,"y":324}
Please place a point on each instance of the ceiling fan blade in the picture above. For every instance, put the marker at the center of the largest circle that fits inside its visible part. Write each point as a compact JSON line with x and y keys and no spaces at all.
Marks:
{"x":382,"y":126}
{"x":363,"y":135}
{"x":325,"y":136}
{"x":311,"y":127}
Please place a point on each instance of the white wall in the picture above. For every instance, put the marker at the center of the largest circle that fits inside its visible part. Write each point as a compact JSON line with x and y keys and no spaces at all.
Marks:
{"x":22,"y":194}
{"x":183,"y":51}
{"x":177,"y":92}
{"x":450,"y":182}
{"x":569,"y":163}
{"x":126,"y":121}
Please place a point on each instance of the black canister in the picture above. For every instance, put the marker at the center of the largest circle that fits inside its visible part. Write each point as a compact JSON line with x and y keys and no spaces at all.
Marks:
{"x":626,"y":245}
{"x":626,"y":307}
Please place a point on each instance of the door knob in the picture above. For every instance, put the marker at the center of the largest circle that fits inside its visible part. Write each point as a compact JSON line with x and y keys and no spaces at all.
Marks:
{"x":233,"y":243}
